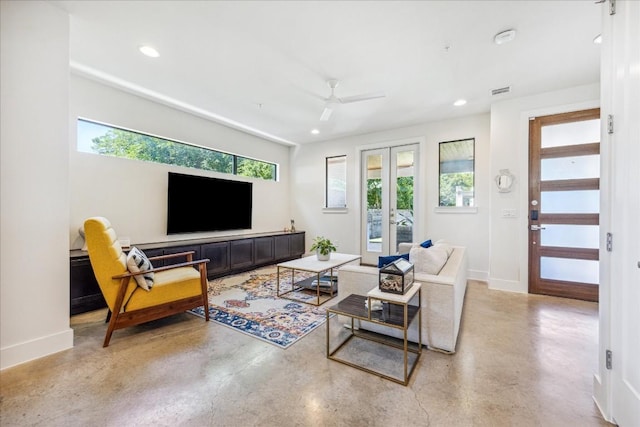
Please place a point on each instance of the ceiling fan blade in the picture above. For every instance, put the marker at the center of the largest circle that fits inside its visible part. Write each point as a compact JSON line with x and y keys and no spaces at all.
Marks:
{"x":326,"y":114}
{"x":364,"y":97}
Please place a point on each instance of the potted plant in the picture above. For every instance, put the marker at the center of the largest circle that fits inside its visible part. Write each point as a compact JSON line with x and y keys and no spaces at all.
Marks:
{"x":323,"y":248}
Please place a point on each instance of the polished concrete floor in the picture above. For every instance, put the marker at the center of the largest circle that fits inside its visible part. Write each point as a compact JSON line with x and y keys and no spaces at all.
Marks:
{"x":522,"y":360}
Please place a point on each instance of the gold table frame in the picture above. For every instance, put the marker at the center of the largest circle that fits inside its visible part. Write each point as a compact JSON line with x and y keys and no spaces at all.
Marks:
{"x":311,"y":264}
{"x":397,"y":314}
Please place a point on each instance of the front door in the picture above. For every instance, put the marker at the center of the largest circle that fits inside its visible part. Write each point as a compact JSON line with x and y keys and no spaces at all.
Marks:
{"x":564,"y":204}
{"x":389,"y":200}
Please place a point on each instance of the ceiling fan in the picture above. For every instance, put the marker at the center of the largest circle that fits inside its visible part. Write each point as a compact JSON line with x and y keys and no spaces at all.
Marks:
{"x":332,"y":100}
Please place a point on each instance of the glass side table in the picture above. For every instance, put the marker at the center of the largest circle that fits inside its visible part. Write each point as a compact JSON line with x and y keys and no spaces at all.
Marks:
{"x":396,"y":313}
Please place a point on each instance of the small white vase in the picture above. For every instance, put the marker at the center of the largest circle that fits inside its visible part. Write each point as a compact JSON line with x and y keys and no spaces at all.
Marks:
{"x":323,"y":257}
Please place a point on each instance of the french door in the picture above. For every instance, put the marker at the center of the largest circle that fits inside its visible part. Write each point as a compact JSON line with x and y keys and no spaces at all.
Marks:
{"x":564,"y":204}
{"x":388,"y":200}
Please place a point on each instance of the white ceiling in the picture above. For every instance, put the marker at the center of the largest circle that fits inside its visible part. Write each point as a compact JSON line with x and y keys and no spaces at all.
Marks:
{"x":262,"y":66}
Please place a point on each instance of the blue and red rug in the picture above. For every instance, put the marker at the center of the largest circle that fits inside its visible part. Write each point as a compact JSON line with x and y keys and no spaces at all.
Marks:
{"x":248,"y":303}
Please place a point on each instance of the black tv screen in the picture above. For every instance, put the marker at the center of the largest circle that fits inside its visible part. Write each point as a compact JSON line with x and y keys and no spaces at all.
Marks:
{"x":198,"y":203}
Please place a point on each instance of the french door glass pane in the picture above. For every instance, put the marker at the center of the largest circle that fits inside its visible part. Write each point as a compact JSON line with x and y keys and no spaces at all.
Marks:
{"x":570,"y":236}
{"x":374,"y":203}
{"x":570,"y":270}
{"x":404,"y":197}
{"x":577,"y":167}
{"x":583,"y":201}
{"x":583,"y":132}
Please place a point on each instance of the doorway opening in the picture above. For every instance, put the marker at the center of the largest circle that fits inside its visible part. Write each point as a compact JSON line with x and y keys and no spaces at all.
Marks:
{"x":564,"y":204}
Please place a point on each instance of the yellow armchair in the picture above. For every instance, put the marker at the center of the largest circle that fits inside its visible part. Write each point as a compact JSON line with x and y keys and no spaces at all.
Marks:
{"x":176,"y":288}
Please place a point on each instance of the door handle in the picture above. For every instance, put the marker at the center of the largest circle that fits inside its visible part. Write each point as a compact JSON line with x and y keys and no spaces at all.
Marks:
{"x":535,"y":227}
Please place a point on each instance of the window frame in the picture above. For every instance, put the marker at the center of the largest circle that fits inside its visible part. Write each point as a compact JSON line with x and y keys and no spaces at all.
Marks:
{"x":327,"y":186}
{"x":464,"y":208}
{"x":234,"y":157}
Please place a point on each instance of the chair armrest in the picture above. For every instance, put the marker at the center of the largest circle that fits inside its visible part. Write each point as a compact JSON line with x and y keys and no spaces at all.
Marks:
{"x":168,"y":267}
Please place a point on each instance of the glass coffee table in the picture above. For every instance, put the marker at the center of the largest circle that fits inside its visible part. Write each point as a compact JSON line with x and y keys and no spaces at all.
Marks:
{"x":395,"y":313}
{"x":322,"y":282}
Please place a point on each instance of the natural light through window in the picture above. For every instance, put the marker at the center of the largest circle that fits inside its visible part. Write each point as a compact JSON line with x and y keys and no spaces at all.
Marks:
{"x":457,"y":173}
{"x":108,"y":140}
{"x":336,"y":182}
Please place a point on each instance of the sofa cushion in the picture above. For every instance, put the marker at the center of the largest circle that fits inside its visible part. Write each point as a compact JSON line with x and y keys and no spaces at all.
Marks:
{"x":137,"y":261}
{"x":384,"y":260}
{"x":441,"y":244}
{"x":429,"y":260}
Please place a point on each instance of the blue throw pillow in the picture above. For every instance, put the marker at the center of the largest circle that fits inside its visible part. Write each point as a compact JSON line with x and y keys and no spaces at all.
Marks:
{"x":426,"y":244}
{"x":385,"y":260}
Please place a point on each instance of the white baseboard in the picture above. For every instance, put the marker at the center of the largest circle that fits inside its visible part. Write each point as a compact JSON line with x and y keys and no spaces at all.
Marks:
{"x":600,"y":393}
{"x":482,"y":276}
{"x":508,"y":285}
{"x":35,"y":349}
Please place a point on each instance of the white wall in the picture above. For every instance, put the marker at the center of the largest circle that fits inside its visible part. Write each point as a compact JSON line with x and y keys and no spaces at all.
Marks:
{"x":510,"y":150}
{"x":133,"y":194}
{"x":34,"y":205}
{"x":469,"y":229}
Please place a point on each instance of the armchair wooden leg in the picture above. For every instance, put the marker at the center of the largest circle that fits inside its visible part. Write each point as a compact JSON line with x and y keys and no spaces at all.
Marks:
{"x":113,"y":319}
{"x":110,"y":329}
{"x":204,"y":285}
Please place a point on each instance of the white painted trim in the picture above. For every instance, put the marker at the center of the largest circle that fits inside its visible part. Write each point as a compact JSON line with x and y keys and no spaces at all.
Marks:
{"x":335,"y":210}
{"x":507,"y":285}
{"x":482,"y":276}
{"x":35,"y":349}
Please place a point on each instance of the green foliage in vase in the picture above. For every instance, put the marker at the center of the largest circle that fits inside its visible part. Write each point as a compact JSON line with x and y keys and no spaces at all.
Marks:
{"x":323,"y":245}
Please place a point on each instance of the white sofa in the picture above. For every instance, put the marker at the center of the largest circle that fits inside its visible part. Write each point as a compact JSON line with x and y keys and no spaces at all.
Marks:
{"x":442,"y":298}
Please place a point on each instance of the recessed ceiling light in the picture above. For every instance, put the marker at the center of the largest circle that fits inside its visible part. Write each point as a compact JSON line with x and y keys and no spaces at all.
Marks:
{"x":504,"y":36}
{"x":460,"y":102}
{"x":598,"y":39}
{"x":149,"y":51}
{"x":315,"y":131}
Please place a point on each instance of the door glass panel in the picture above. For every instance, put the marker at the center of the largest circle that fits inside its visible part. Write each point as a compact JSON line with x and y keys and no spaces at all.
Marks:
{"x":404,"y":197}
{"x":570,"y":270}
{"x":570,"y":236}
{"x":374,"y":203}
{"x":583,"y":201}
{"x":577,"y":167}
{"x":582,"y":132}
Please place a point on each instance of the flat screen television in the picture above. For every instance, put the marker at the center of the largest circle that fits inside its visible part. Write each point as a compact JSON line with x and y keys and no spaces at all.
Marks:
{"x":198,"y":203}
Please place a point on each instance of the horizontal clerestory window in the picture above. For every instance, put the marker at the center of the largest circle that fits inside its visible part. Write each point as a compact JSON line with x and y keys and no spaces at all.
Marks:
{"x":98,"y":138}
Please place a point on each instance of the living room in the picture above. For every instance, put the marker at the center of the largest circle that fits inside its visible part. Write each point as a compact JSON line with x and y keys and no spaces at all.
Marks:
{"x":70,"y":186}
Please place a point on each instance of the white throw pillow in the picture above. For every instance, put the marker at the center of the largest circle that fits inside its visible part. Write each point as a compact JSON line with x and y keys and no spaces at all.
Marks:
{"x":441,"y":244}
{"x":137,"y":261}
{"x":430,"y":260}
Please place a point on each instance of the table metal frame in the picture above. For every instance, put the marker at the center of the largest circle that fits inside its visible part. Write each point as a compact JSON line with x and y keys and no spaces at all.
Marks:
{"x":398,"y":314}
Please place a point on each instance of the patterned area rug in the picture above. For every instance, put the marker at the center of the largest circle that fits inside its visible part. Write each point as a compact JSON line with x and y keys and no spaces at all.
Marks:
{"x":247,"y":302}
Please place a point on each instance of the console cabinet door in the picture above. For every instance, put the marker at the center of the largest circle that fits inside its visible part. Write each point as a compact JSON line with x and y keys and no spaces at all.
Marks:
{"x":281,"y":247}
{"x":241,"y":253}
{"x":85,"y":294}
{"x":263,"y":250}
{"x":297,"y":244}
{"x":178,"y":249}
{"x":218,"y":254}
